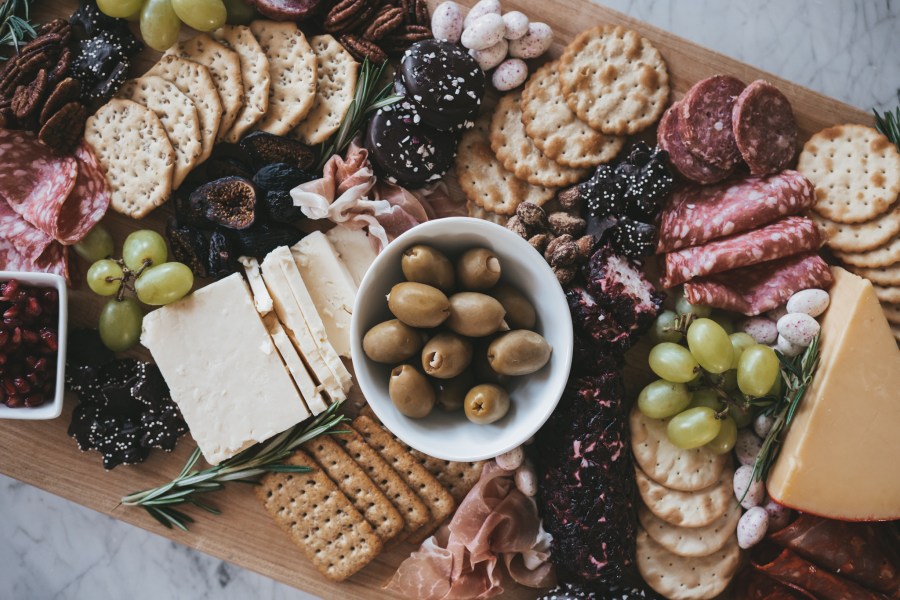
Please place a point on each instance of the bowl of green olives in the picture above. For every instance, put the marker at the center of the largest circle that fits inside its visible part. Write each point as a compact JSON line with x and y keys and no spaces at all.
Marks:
{"x":461,"y":339}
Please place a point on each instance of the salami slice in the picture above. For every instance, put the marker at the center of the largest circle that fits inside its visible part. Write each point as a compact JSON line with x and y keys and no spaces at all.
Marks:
{"x":793,"y":570}
{"x":669,"y":137}
{"x":753,"y":584}
{"x":88,"y":201}
{"x":788,"y":236}
{"x":54,"y":259}
{"x":706,"y":120}
{"x":28,"y":241}
{"x":765,"y":129}
{"x":754,"y":290}
{"x":695,"y":215}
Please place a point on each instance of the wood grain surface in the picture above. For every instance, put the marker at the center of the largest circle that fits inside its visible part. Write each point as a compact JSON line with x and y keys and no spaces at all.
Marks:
{"x":41,"y":453}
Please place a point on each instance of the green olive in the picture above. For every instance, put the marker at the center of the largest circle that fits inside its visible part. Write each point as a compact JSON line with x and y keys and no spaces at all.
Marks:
{"x":418,"y":305}
{"x":478,"y":269}
{"x":480,"y":365}
{"x":424,"y":264}
{"x":451,"y":393}
{"x":446,"y":355}
{"x":518,"y":352}
{"x":486,"y":403}
{"x":411,"y":392}
{"x":519,"y":311}
{"x":475,"y":315}
{"x":392,"y":342}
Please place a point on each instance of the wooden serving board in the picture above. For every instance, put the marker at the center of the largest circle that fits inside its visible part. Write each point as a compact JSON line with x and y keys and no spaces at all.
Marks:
{"x":41,"y":453}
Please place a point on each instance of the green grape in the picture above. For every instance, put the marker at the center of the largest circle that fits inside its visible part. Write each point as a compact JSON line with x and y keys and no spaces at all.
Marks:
{"x":710,"y":345}
{"x":757,"y":370}
{"x":683,"y":307}
{"x":105,"y":277}
{"x":663,"y":399}
{"x":239,"y":12}
{"x":159,"y":24}
{"x":775,"y":390}
{"x":142,"y":246}
{"x":694,"y":427}
{"x":663,"y":328}
{"x":724,"y":320}
{"x":706,"y":397}
{"x":164,"y":283}
{"x":673,"y":362}
{"x":724,"y":442}
{"x":742,"y":415}
{"x":120,"y":324}
{"x":739,"y":342}
{"x":96,"y":245}
{"x":202,"y":15}
{"x":120,"y":9}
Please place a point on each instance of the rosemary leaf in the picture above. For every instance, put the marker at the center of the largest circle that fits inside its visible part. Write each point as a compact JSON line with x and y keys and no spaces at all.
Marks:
{"x":889,"y":124}
{"x":15,"y":25}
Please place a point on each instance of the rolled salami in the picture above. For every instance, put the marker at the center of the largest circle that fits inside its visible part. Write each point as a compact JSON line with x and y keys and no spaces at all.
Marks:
{"x":696,"y":215}
{"x":795,"y":571}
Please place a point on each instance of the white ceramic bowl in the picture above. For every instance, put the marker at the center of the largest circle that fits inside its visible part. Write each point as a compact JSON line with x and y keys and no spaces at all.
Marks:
{"x":52,"y":409}
{"x":451,"y":436}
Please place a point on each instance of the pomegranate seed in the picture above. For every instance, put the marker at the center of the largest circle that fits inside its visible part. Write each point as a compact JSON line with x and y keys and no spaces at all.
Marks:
{"x":17,"y":336}
{"x":33,"y":307}
{"x":30,"y":337}
{"x":22,"y":385}
{"x":4,"y":338}
{"x":41,"y":365}
{"x":9,"y":387}
{"x":50,"y":340}
{"x":3,"y":359}
{"x":11,"y":313}
{"x":34,"y":400}
{"x":9,"y":289}
{"x":34,"y":379}
{"x":51,"y":296}
{"x":14,"y":401}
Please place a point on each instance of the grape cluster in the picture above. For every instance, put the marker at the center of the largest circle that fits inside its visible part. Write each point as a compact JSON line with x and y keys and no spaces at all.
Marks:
{"x":709,"y":377}
{"x":142,"y":269}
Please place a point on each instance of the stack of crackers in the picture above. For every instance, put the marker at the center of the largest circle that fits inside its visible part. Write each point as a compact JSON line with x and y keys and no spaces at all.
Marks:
{"x":217,"y":88}
{"x":686,"y":546}
{"x":365,"y":491}
{"x":572,"y":115}
{"x":856,"y":172}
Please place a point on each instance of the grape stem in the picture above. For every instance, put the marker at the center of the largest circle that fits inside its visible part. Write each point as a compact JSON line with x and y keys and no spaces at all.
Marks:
{"x":128,"y":277}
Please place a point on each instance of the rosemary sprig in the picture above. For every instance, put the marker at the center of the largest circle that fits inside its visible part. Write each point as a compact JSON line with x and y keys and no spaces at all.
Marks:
{"x":15,"y":28}
{"x":889,"y":124}
{"x":245,"y":467}
{"x":367,"y":99}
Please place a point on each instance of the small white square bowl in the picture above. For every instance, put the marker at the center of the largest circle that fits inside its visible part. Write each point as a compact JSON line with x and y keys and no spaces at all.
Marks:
{"x":48,"y":410}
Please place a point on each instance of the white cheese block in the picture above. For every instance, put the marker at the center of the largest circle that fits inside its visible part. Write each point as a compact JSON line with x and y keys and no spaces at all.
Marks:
{"x":222,"y":369}
{"x":291,"y":317}
{"x":311,"y":394}
{"x":261,"y":296}
{"x":330,"y":284}
{"x":355,"y":249}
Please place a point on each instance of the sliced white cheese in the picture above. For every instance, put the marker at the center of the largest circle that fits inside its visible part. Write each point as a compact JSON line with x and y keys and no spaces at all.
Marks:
{"x":261,"y":296}
{"x":222,"y":369}
{"x":291,"y":317}
{"x":355,"y":249}
{"x":330,"y":284}
{"x":311,"y":393}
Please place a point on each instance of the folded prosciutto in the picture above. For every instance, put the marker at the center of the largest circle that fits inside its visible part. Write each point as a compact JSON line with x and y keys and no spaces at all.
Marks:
{"x":756,"y":289}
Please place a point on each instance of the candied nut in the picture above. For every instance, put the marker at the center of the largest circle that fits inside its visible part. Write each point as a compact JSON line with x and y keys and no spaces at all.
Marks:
{"x":585,"y":245}
{"x":23,"y":72}
{"x":539,"y":242}
{"x":570,"y":199}
{"x":64,"y":130}
{"x":62,"y":65}
{"x":27,"y":99}
{"x":387,"y":20}
{"x":347,"y":14}
{"x":563,"y":255}
{"x":415,"y":12}
{"x":404,"y":37}
{"x":516,"y":225}
{"x":565,"y":275}
{"x":561,"y":222}
{"x":555,"y":244}
{"x":60,"y":26}
{"x":532,"y":215}
{"x":362,"y":49}
{"x":66,"y":91}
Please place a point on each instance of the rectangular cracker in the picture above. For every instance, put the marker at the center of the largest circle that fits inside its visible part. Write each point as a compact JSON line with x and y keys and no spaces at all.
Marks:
{"x":414,"y":512}
{"x":368,"y":499}
{"x":438,"y":500}
{"x":457,"y":477}
{"x":320,"y":519}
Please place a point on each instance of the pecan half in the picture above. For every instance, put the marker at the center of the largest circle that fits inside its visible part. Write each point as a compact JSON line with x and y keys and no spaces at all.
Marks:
{"x":51,"y":42}
{"x":404,"y":37}
{"x":66,"y":91}
{"x":23,"y":72}
{"x":62,"y":65}
{"x":64,"y":130}
{"x":28,"y":98}
{"x":415,"y":12}
{"x":348,"y":14}
{"x":362,"y":49}
{"x":387,"y":20}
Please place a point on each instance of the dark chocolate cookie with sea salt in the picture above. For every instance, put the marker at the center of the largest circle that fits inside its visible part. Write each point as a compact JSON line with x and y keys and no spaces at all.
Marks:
{"x":444,"y":84}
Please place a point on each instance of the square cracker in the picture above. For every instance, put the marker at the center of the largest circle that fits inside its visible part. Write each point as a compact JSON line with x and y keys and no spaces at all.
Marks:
{"x":131,"y":145}
{"x":367,"y":497}
{"x":292,"y":70}
{"x":337,"y":74}
{"x":254,"y":76}
{"x":320,"y":519}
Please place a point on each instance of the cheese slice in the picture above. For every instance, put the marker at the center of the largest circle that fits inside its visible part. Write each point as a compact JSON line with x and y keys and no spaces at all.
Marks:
{"x":261,"y":296}
{"x":311,"y":393}
{"x":330,"y":284}
{"x":355,"y":249}
{"x":291,"y":317}
{"x":222,"y":369}
{"x":840,"y":455}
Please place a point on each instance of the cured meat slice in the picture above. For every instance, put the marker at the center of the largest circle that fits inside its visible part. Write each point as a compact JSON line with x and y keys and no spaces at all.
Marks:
{"x":53,"y":260}
{"x":788,"y":236}
{"x":864,"y":552}
{"x":706,"y":120}
{"x":27,"y":240}
{"x":88,"y":201}
{"x":670,"y":138}
{"x":753,"y":584}
{"x":696,"y":215}
{"x":754,"y":290}
{"x":765,"y":129}
{"x":793,"y":570}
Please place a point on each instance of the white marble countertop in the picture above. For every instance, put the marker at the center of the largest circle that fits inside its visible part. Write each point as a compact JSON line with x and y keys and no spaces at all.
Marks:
{"x":55,"y":549}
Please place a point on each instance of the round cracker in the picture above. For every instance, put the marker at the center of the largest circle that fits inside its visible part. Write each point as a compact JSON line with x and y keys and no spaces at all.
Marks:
{"x":483,"y":179}
{"x":856,"y":172}
{"x":518,"y":153}
{"x":692,"y":541}
{"x":177,"y":114}
{"x":892,"y":312}
{"x":555,"y":129}
{"x":882,"y":256}
{"x":292,"y":71}
{"x":476,"y":212}
{"x":887,"y":294}
{"x":665,"y":463}
{"x":687,"y":509}
{"x":860,"y":237}
{"x":681,"y":578}
{"x":254,"y":78}
{"x":887,"y":276}
{"x":337,"y":72}
{"x":615,"y":80}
